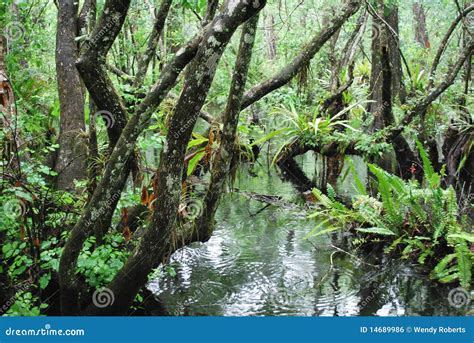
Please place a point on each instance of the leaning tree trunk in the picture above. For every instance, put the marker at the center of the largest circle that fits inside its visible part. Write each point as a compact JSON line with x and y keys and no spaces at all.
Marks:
{"x":211,"y":10}
{"x":159,"y":239}
{"x":287,"y":73}
{"x":445,"y":41}
{"x":222,"y":160}
{"x":70,"y":163}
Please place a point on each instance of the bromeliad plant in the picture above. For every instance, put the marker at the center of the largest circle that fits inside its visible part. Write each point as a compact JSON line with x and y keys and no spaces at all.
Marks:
{"x":416,"y":221}
{"x":312,"y":129}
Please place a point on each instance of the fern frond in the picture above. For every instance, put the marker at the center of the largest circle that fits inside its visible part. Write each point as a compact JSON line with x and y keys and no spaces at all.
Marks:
{"x":463,"y":263}
{"x":430,"y":175}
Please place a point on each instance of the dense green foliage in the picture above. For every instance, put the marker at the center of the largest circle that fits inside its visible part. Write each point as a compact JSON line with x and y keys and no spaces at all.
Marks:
{"x":416,"y":221}
{"x":426,"y":221}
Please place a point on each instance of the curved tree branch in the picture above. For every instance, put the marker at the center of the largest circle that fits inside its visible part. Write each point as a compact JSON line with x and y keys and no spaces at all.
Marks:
{"x":444,"y":42}
{"x":104,"y":200}
{"x":289,"y":71}
{"x":92,"y":67}
{"x":159,"y":238}
{"x":222,"y":160}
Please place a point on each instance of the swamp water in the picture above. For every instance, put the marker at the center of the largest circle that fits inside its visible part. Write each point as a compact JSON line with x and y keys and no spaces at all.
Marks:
{"x":259,"y":262}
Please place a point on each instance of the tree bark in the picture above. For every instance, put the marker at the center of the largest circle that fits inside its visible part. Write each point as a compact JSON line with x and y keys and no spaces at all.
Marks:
{"x":404,"y":154}
{"x":92,"y":68}
{"x":419,"y":20}
{"x":384,"y":20}
{"x":224,"y":155}
{"x":211,"y":10}
{"x":158,"y":242}
{"x":70,"y":163}
{"x":398,"y":88}
{"x":87,"y":17}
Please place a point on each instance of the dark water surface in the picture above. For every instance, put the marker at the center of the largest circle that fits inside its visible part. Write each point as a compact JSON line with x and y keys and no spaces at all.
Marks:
{"x":258,"y":262}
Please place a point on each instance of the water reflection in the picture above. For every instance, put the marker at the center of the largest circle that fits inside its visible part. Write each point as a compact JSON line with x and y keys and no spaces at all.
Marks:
{"x":258,"y":262}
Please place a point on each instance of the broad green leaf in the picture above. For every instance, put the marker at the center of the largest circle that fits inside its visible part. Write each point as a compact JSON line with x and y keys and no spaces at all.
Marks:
{"x":194,"y":161}
{"x":466,"y":236}
{"x":377,"y":230}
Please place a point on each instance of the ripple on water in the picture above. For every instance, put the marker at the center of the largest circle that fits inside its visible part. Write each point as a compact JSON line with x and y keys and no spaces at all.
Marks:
{"x":258,"y":262}
{"x":337,"y":294}
{"x":219,"y":254}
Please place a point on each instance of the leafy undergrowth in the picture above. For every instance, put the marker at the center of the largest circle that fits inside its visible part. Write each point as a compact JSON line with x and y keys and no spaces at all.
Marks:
{"x":414,"y":221}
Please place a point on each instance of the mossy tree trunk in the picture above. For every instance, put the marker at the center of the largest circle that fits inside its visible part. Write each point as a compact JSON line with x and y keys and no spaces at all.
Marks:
{"x":70,"y":161}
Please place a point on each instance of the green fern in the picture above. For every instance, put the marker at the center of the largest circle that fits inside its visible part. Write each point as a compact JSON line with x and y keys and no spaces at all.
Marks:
{"x":386,"y":185}
{"x":463,"y":263}
{"x":430,"y":175}
{"x":411,"y":217}
{"x":358,"y":182}
{"x":331,"y":192}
